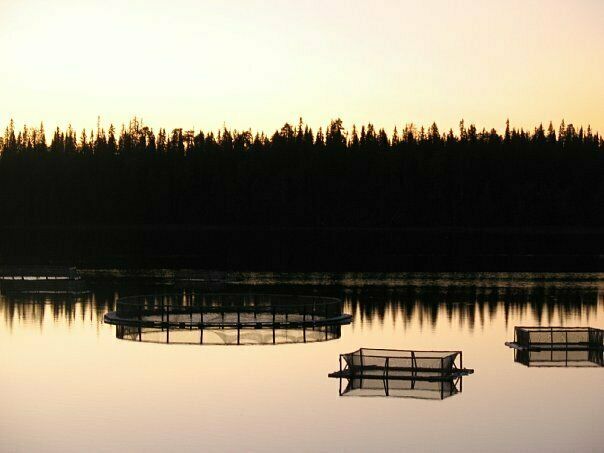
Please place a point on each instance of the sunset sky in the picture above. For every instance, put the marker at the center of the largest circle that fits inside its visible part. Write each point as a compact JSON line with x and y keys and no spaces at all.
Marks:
{"x":256,"y":64}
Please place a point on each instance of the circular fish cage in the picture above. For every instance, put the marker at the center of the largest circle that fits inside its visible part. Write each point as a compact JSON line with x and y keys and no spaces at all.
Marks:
{"x":198,"y":318}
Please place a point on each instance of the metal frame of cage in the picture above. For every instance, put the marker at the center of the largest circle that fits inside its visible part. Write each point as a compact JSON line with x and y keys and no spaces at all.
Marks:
{"x":451,"y":366}
{"x":224,"y":337}
{"x":229,"y":310}
{"x":557,"y":338}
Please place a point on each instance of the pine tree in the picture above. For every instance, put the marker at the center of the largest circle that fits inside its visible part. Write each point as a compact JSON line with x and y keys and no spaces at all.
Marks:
{"x":111,"y":143}
{"x":395,"y":138}
{"x":507,"y":137}
{"x":551,"y":134}
{"x":40,"y":143}
{"x":354,"y":139}
{"x":320,"y":139}
{"x":562,"y":133}
{"x":434,"y":134}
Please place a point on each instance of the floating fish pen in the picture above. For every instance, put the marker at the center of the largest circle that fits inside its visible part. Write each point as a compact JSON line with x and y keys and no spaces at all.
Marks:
{"x":558,"y":346}
{"x":391,"y":372}
{"x":198,"y":318}
{"x":41,"y":280}
{"x":557,"y":339}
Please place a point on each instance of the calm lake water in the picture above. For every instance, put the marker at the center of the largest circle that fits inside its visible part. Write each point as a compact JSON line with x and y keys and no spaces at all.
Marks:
{"x":68,"y":384}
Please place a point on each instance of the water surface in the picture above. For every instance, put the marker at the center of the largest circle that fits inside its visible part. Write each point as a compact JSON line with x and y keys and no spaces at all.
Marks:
{"x":68,"y":384}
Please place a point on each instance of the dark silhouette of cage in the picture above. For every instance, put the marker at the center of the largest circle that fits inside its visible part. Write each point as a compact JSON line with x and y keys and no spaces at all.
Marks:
{"x":218,"y":336}
{"x":164,"y":318}
{"x":558,"y":346}
{"x":557,"y":339}
{"x":560,"y":358}
{"x":421,"y":371}
{"x":429,"y":390}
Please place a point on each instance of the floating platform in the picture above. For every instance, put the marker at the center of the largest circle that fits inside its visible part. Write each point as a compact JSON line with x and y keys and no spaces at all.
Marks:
{"x":406,"y":373}
{"x":149,"y":317}
{"x":34,"y":273}
{"x":558,"y":346}
{"x":41,"y":280}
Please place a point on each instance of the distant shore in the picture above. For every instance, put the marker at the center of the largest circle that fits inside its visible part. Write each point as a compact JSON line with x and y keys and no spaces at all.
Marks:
{"x":237,"y":248}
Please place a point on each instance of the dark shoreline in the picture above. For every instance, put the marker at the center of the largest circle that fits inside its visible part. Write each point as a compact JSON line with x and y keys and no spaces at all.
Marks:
{"x":540,"y":249}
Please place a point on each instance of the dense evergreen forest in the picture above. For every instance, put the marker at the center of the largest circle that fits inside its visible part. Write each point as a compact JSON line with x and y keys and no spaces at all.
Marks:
{"x":361,"y":177}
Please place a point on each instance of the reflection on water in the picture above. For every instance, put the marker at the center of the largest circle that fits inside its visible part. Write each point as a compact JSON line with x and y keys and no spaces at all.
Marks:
{"x":415,"y":304}
{"x":401,"y":389}
{"x":62,"y":367}
{"x":564,"y":358}
{"x":62,"y":308}
{"x":230,"y":336}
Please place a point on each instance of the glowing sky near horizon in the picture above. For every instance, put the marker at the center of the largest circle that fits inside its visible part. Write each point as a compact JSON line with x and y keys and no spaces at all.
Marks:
{"x":257,"y":64}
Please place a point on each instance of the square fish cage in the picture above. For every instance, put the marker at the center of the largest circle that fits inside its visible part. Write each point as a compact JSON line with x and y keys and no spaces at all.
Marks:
{"x":393,"y":364}
{"x":557,"y":339}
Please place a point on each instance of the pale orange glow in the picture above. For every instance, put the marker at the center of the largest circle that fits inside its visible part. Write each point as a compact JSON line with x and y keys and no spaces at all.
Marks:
{"x":256,"y":64}
{"x":68,"y":370}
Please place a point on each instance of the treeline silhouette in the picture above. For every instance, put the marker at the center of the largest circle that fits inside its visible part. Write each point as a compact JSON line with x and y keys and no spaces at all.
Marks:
{"x":297,"y":178}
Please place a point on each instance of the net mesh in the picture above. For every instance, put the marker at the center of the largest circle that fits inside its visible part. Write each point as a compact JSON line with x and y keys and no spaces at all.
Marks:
{"x":396,"y":364}
{"x":225,"y":310}
{"x":559,"y":337}
{"x":402,"y":389}
{"x":562,"y":358}
{"x":229,"y":336}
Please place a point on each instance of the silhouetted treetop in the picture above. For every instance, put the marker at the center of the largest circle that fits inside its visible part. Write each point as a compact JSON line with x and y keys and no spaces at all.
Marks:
{"x":414,"y":176}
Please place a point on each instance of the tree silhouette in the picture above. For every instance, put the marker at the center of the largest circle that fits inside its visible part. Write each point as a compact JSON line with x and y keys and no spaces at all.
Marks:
{"x":334,"y":178}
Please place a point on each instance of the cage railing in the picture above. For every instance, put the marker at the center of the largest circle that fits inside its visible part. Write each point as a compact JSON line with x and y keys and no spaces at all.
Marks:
{"x":228,"y":309}
{"x":557,"y":338}
{"x":389,"y":364}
